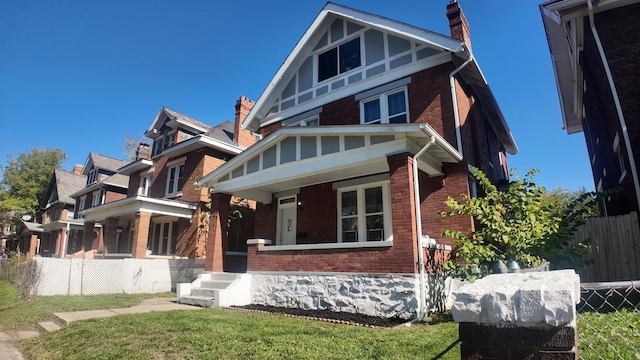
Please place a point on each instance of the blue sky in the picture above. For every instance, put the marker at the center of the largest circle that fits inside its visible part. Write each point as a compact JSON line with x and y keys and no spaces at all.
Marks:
{"x":81,"y":75}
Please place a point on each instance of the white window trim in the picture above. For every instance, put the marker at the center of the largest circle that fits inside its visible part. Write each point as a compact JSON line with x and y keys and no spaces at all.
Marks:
{"x":384,"y":111}
{"x":96,"y":195}
{"x":145,"y":190}
{"x":174,"y":191}
{"x":336,"y":45}
{"x":386,"y":211}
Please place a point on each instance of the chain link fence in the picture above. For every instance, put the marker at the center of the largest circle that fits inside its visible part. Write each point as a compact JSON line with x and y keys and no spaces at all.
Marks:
{"x":609,"y":320}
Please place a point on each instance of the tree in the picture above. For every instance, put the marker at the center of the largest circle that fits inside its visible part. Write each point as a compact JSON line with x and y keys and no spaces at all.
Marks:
{"x":523,"y":223}
{"x":25,"y":179}
{"x":130,"y":145}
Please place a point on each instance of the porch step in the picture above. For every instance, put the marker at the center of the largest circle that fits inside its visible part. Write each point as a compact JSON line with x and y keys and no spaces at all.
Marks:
{"x":216,"y":289}
{"x":48,"y":326}
{"x":202,"y":301}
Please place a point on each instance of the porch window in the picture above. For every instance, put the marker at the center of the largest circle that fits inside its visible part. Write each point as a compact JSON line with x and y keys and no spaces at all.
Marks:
{"x":175,"y":180}
{"x":339,"y":59}
{"x":386,"y":108}
{"x":165,"y":235}
{"x":364,"y":213}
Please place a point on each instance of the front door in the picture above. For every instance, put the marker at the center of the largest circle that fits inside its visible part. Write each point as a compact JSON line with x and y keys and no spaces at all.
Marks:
{"x":287,"y":223}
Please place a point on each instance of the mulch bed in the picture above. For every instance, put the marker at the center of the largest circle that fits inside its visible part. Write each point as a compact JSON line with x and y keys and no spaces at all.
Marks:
{"x":326,"y":315}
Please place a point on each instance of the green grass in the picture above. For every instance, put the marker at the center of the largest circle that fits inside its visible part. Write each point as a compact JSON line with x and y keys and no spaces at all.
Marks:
{"x":230,"y":334}
{"x":614,"y":335}
{"x":17,"y":313}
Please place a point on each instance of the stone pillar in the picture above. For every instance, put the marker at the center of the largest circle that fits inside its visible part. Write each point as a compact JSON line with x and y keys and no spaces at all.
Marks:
{"x":217,"y":236}
{"x":87,"y":235}
{"x":519,"y":316}
{"x":140,"y":235}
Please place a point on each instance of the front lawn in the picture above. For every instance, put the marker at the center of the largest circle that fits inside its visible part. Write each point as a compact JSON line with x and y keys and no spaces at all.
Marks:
{"x":234,"y":334}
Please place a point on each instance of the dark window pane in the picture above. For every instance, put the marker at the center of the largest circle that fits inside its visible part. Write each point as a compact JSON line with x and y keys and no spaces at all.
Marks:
{"x":400,"y":119}
{"x":328,"y":64}
{"x":373,"y":200}
{"x":349,"y":203}
{"x":397,"y":104}
{"x":372,"y":111}
{"x":350,"y":55}
{"x":180,"y":177}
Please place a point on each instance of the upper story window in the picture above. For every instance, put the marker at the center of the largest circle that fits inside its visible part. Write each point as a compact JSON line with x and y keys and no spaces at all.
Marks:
{"x":97,"y":198}
{"x":312,"y":121}
{"x":385,"y":108}
{"x":166,"y":140}
{"x":175,"y":179}
{"x":339,"y":59}
{"x":81,"y":203}
{"x":145,"y":184}
{"x":92,"y":177}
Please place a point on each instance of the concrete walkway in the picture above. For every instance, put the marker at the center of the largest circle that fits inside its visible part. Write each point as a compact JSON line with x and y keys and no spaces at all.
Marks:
{"x":8,"y":338}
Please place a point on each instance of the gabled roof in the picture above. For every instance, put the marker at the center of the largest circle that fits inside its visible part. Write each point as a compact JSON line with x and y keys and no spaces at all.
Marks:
{"x":167,"y":115}
{"x":424,"y":49}
{"x":116,"y":180}
{"x":102,"y":162}
{"x":563,"y":22}
{"x":319,"y":27}
{"x":65,"y":183}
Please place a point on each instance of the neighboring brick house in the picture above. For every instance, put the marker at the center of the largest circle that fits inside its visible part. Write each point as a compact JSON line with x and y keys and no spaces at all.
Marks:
{"x":103,"y":185}
{"x":593,"y":53}
{"x":62,"y":232}
{"x":160,"y":215}
{"x":367,"y":127}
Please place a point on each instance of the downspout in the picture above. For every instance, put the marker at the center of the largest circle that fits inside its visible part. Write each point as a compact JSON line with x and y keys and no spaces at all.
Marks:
{"x":454,"y":99}
{"x":416,"y":190}
{"x":616,"y":100}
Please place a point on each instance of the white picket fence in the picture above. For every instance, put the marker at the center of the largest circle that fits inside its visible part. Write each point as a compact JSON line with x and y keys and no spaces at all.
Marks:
{"x":111,"y":276}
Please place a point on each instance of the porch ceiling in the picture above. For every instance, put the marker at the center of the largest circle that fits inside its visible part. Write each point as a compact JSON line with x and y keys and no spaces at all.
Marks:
{"x":127,"y":208}
{"x":375,"y":143}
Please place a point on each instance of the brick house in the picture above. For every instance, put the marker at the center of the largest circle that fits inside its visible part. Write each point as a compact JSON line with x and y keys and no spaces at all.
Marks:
{"x":103,"y":185}
{"x":593,"y":57}
{"x":367,"y":127}
{"x":160,"y":213}
{"x":62,"y":231}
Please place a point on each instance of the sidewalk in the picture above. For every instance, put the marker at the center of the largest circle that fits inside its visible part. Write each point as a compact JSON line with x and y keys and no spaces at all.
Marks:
{"x":63,"y":319}
{"x":8,"y":338}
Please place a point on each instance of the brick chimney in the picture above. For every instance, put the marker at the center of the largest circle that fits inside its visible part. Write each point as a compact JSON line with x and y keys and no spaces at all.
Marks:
{"x":77,"y":169}
{"x":243,"y":137}
{"x":458,"y":24}
{"x":143,"y":151}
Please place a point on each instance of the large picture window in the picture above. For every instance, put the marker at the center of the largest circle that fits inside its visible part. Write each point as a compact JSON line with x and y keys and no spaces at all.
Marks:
{"x":339,"y":60}
{"x":364,"y":213}
{"x":386,"y":108}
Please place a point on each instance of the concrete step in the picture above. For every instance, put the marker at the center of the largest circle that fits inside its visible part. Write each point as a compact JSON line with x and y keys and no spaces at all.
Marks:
{"x":48,"y":326}
{"x":201,"y":301}
{"x":204,"y":292}
{"x":224,"y":276}
{"x":215,"y":284}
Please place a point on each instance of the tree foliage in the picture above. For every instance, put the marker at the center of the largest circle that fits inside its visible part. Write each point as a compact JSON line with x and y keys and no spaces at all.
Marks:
{"x":522,"y":223}
{"x":25,"y":179}
{"x":130,"y":145}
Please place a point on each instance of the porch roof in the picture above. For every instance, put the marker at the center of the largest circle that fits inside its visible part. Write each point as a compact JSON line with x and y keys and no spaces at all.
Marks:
{"x":294,"y":157}
{"x":59,"y":224}
{"x":127,"y":208}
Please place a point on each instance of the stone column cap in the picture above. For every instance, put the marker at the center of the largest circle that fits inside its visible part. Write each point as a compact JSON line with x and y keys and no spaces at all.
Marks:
{"x":527,"y":299}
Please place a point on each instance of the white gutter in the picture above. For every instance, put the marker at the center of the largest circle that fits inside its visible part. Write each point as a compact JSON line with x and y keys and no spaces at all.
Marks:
{"x":616,"y":100}
{"x":454,"y":99}
{"x":416,"y":191}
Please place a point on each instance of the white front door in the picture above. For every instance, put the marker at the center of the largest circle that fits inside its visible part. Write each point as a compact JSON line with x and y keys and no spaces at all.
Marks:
{"x":287,"y":223}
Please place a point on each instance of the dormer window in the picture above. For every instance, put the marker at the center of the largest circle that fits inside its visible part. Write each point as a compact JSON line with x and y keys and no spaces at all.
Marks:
{"x":339,"y":59}
{"x":92,"y":177}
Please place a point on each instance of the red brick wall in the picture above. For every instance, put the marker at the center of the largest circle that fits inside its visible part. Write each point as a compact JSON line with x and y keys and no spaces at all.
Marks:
{"x":265,"y":220}
{"x":111,"y":196}
{"x":319,"y":202}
